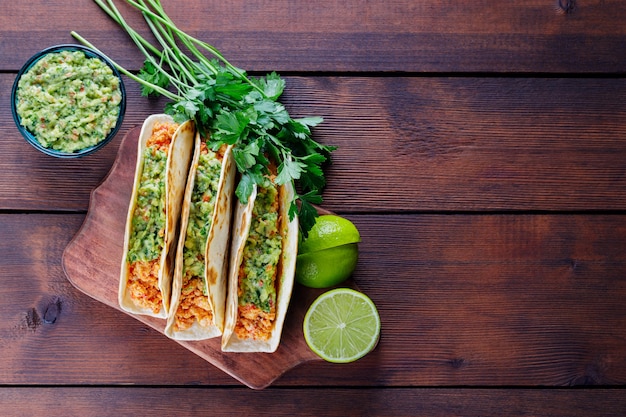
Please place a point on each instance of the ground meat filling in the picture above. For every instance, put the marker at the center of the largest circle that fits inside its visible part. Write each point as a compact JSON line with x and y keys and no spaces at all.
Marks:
{"x":161,"y":137}
{"x":148,"y":223}
{"x":194,"y":304}
{"x":143,"y":285}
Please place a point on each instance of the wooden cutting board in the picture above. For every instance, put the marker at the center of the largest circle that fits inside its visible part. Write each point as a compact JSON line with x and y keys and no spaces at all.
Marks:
{"x":92,"y":264}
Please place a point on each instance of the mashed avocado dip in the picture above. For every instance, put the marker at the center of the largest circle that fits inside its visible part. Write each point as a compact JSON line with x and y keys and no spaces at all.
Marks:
{"x":68,"y":100}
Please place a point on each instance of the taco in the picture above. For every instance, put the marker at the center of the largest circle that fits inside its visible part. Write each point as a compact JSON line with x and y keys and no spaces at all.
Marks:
{"x":163,"y":156}
{"x":200,"y":276}
{"x":263,"y":256}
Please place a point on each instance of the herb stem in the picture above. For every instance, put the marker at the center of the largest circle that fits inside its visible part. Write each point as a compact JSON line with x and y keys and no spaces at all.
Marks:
{"x":166,"y":41}
{"x":189,"y":41}
{"x":115,"y":14}
{"x":129,"y":74}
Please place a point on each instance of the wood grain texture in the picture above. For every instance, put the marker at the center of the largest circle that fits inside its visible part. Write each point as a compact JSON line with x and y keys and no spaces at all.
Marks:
{"x":87,"y":401}
{"x":482,"y":157}
{"x":465,"y":300}
{"x":406,"y":144}
{"x":359,"y":35}
{"x":92,"y":262}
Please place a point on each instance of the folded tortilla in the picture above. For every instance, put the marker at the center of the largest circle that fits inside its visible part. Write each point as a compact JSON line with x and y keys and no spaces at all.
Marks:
{"x":200,"y":276}
{"x":164,"y":153}
{"x":261,"y":278}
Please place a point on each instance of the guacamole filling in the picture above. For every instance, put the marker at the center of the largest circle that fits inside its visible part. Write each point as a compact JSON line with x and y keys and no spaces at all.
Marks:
{"x":69,"y":101}
{"x":194,"y":303}
{"x":259,"y":268}
{"x":147,"y":237}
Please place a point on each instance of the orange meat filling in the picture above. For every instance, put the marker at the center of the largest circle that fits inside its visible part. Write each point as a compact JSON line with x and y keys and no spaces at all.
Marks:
{"x":194,"y":305}
{"x":254,"y":323}
{"x":162,"y":134}
{"x":143,"y":284}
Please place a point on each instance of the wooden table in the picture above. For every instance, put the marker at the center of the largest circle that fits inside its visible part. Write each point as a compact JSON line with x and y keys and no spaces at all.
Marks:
{"x":482,"y":155}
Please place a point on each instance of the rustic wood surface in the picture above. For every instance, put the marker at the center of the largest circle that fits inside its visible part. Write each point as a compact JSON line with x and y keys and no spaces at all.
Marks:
{"x":482,"y":155}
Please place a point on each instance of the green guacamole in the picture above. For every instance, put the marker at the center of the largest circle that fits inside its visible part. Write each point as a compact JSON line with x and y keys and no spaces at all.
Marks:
{"x":148,"y":222}
{"x":201,"y":209}
{"x":262,"y":253}
{"x":69,"y":101}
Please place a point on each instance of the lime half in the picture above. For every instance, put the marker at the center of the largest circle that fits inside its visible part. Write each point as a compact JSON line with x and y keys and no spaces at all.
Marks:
{"x":328,"y":256}
{"x":342,"y":325}
{"x":328,"y":267}
{"x":329,"y":231}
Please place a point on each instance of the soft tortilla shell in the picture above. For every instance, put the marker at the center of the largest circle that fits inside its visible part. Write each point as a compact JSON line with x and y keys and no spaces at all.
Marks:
{"x":177,"y":167}
{"x":287,"y":268}
{"x":216,"y":251}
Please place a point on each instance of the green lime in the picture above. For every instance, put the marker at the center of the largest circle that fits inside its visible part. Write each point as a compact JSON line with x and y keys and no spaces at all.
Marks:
{"x":329,"y":231}
{"x":342,"y":325}
{"x":329,"y":254}
{"x":328,"y":267}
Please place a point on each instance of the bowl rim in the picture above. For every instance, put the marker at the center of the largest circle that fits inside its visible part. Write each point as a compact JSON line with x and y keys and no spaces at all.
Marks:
{"x":30,"y":137}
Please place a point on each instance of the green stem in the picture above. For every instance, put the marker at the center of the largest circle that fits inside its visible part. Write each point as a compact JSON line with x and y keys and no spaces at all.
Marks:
{"x":129,"y":74}
{"x":189,"y":40}
{"x":142,"y":44}
{"x":171,"y":57}
{"x":115,"y":14}
{"x":162,"y":18}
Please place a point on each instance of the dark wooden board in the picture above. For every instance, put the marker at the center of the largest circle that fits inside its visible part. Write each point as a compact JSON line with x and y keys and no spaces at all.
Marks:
{"x":482,"y":157}
{"x":407,"y":144}
{"x":358,"y":36}
{"x":465,"y":300}
{"x":92,"y":264}
{"x":332,"y":402}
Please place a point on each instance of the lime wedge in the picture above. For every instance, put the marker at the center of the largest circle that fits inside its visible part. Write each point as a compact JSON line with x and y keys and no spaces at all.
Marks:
{"x":342,"y":325}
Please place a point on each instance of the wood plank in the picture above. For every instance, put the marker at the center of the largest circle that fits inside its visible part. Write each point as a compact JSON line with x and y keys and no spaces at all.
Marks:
{"x":360,"y":35}
{"x":492,"y":300}
{"x":465,"y":300}
{"x":90,"y":401}
{"x":406,"y":144}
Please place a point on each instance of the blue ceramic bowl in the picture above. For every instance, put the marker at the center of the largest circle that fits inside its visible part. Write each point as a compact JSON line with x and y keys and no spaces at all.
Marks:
{"x":30,"y":137}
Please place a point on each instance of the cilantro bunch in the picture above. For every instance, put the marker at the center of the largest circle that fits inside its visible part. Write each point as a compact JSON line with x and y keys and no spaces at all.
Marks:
{"x":228,"y":107}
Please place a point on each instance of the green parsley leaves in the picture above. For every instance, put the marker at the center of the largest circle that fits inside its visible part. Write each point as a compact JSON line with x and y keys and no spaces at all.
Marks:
{"x":229,"y":107}
{"x":152,"y":76}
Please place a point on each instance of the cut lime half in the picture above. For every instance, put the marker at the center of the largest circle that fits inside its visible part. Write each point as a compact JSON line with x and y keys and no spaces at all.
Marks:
{"x":342,"y":325}
{"x":329,"y":231}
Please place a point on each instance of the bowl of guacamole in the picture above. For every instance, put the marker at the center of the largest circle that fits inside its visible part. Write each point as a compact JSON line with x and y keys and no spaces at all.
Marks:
{"x":68,"y":101}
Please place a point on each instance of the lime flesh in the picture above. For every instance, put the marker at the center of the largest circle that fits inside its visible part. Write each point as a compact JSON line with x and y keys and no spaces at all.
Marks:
{"x":342,"y":325}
